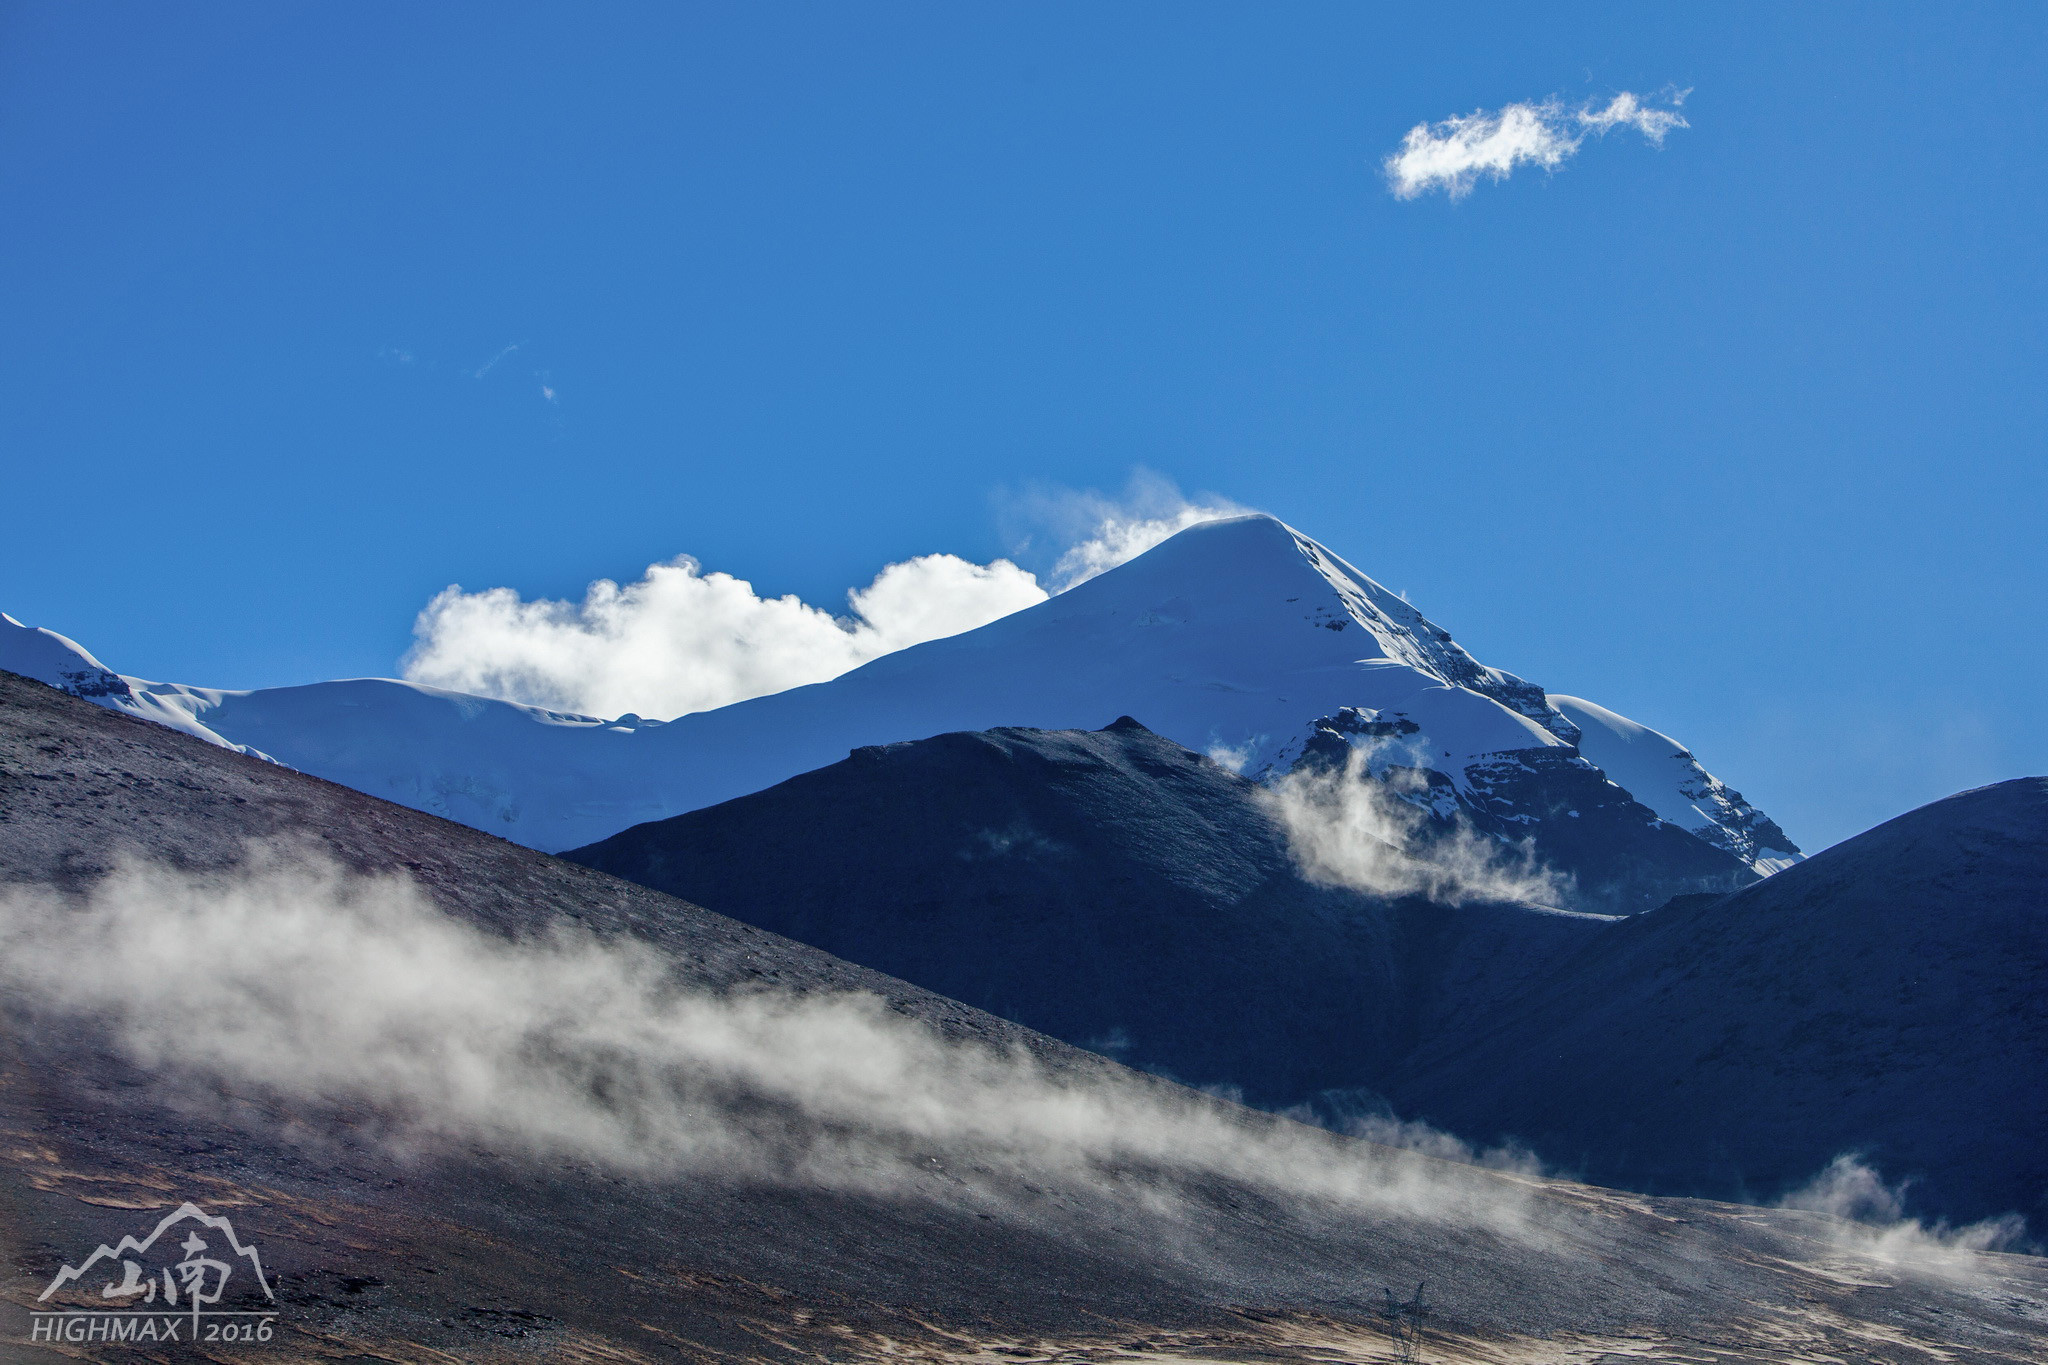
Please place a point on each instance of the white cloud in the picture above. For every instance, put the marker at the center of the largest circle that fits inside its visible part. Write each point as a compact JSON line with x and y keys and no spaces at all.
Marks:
{"x":336,"y":1006}
{"x":1233,"y":756}
{"x":333,"y":1004}
{"x":1627,"y":111}
{"x":1454,"y":154}
{"x":681,"y":639}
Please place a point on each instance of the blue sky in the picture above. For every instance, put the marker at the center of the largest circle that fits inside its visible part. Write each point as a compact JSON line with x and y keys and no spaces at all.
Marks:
{"x":1741,"y":435}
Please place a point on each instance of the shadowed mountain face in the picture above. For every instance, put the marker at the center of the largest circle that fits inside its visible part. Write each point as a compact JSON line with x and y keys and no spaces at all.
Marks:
{"x":1886,"y":995}
{"x":1613,"y":855}
{"x":1106,"y":887}
{"x":471,"y":1248}
{"x":1119,"y":892}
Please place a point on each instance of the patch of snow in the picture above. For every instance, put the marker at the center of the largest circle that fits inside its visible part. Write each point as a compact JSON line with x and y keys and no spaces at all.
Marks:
{"x":63,"y":663}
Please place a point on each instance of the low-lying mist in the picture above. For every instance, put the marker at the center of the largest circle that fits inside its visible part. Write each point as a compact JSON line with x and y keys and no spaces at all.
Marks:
{"x":1868,"y":1220}
{"x":326,"y":995}
{"x":1353,"y":827}
{"x":292,"y":980}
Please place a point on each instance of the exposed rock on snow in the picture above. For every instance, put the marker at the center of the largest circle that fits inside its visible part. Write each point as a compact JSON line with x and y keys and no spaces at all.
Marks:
{"x":1662,"y":774}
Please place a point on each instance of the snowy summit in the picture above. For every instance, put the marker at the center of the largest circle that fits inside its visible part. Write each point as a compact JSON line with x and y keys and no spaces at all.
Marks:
{"x":1241,"y":638}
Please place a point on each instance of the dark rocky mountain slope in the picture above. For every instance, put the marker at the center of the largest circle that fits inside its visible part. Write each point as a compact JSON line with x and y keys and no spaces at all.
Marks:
{"x":471,"y":1249}
{"x":1119,"y":892}
{"x":1888,"y":995}
{"x":1107,"y":887}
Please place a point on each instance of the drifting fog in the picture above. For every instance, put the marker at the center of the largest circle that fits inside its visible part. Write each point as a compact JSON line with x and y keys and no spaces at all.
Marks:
{"x":681,"y":639}
{"x":295,"y":981}
{"x":1352,"y":827}
{"x":1868,"y":1220}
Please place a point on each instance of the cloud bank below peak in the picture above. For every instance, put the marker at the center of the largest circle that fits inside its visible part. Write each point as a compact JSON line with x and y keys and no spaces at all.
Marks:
{"x":1453,"y":155}
{"x":681,"y":639}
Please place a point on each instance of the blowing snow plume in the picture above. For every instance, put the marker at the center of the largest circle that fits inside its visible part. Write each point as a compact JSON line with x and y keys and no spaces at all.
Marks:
{"x":295,"y":983}
{"x":1354,"y":826}
{"x":1098,"y":531}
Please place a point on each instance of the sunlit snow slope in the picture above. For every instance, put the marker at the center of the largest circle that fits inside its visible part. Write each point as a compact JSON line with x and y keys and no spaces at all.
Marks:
{"x":63,"y":663}
{"x":1235,"y":637}
{"x":1662,"y":774}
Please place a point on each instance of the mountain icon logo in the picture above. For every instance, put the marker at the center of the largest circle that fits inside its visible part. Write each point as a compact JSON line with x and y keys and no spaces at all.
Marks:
{"x":153,"y":1285}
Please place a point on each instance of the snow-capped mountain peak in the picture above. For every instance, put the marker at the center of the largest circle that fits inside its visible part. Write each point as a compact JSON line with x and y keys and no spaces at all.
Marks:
{"x":1235,"y":636}
{"x":39,"y":653}
{"x":58,"y":660}
{"x":1407,"y":636}
{"x":1241,"y":638}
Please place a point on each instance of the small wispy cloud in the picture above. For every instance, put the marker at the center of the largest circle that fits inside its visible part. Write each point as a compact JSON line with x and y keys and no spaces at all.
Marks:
{"x":480,"y":371}
{"x":1453,"y":155}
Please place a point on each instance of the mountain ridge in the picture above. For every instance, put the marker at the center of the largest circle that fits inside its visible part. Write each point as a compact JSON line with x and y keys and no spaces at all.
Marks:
{"x":1237,"y":636}
{"x":1094,"y":885}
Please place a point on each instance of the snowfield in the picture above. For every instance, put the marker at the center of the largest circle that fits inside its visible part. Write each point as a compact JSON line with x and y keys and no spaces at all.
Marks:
{"x":1233,"y":637}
